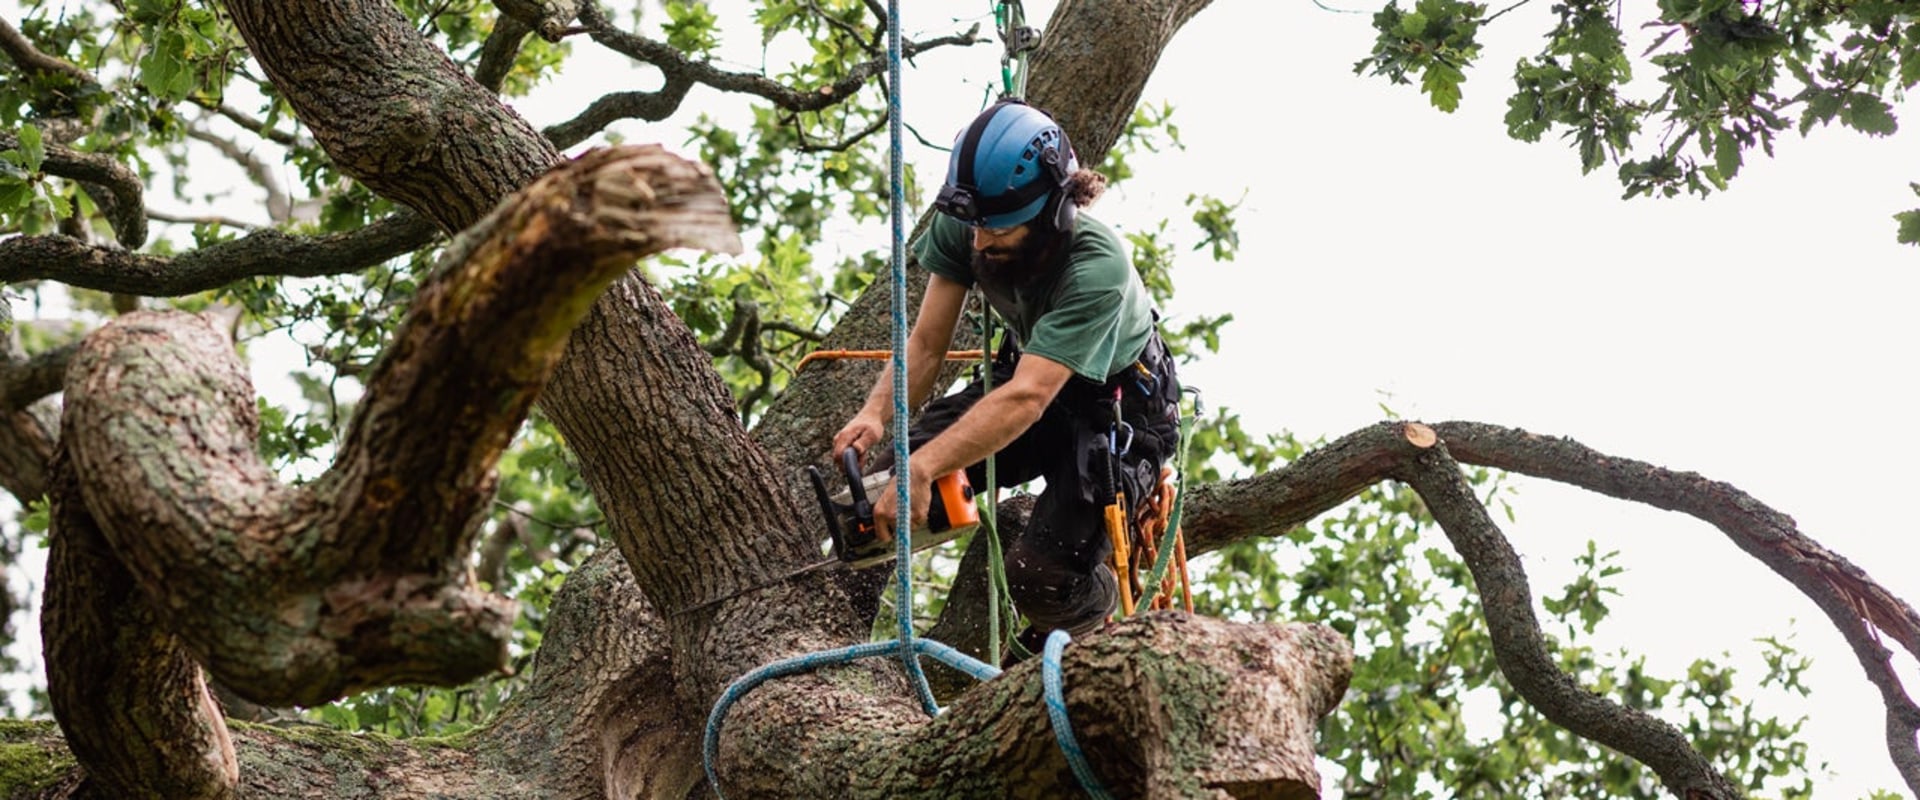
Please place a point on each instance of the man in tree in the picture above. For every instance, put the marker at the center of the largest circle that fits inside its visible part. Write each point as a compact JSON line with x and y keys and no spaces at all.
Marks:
{"x":1087,"y":397}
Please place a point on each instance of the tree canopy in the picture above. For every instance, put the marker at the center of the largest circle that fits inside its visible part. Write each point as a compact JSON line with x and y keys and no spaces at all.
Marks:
{"x":482,"y":547}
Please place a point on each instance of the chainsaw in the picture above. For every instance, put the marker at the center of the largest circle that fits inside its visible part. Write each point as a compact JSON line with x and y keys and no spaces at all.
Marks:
{"x":856,"y":539}
{"x":859,"y":542}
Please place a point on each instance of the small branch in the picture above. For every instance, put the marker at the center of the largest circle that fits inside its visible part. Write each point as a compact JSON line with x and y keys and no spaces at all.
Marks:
{"x":266,"y":252}
{"x":31,"y":60}
{"x":608,"y":109}
{"x":677,"y":65}
{"x":584,"y":525}
{"x":24,"y":383}
{"x":202,"y":219}
{"x":844,"y":144}
{"x":279,"y":206}
{"x":497,"y":54}
{"x":248,"y":121}
{"x":127,"y":211}
{"x":792,"y":330}
{"x":1503,"y":12}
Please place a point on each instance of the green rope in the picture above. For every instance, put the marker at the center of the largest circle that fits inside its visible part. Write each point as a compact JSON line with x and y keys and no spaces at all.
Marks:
{"x":1011,"y":20}
{"x":1165,"y":554}
{"x":996,"y":561}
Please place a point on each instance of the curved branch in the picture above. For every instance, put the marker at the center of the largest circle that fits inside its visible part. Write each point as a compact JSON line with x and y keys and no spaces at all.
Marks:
{"x":1521,"y":650}
{"x":263,"y":253}
{"x":142,"y":721}
{"x":295,"y":595}
{"x":34,"y":62}
{"x":677,"y":66}
{"x":126,"y":211}
{"x":1270,"y":504}
{"x":610,"y":108}
{"x":1859,"y":607}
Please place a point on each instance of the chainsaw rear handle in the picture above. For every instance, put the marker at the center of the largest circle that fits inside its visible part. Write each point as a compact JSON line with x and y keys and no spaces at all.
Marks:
{"x":849,"y":526}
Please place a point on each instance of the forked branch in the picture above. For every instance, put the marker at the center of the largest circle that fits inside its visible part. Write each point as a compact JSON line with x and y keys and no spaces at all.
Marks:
{"x":299,"y":594}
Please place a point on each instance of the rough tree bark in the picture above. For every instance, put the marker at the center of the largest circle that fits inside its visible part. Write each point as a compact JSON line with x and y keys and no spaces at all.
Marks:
{"x":176,"y":551}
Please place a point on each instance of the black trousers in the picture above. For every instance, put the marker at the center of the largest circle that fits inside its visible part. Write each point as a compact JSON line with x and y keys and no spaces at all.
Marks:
{"x":1056,"y":567}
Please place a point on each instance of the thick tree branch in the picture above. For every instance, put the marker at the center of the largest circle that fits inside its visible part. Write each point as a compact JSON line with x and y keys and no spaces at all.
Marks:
{"x":266,"y":252}
{"x":1250,"y":697}
{"x":296,"y":595}
{"x":541,"y":262}
{"x":126,"y":212}
{"x":141,"y":720}
{"x":432,"y":138}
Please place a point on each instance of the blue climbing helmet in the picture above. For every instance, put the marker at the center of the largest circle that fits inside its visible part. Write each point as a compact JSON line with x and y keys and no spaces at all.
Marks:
{"x":1009,"y":167}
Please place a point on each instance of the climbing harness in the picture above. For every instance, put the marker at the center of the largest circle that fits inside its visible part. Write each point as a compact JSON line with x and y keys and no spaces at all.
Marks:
{"x":1146,"y":532}
{"x":1170,"y":546}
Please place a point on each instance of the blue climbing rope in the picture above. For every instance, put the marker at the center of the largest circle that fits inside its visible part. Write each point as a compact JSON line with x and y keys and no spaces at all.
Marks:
{"x":1057,"y":714}
{"x":902,"y":464}
{"x":907,"y":647}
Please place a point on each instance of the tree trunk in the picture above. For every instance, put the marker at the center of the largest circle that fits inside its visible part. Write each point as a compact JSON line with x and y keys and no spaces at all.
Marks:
{"x":696,"y":508}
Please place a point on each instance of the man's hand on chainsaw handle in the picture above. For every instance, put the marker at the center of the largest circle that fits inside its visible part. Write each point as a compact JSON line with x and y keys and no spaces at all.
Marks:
{"x":886,"y":507}
{"x":861,"y":432}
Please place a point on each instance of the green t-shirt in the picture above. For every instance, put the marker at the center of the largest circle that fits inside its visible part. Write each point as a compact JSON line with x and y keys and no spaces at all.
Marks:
{"x":1092,"y":315}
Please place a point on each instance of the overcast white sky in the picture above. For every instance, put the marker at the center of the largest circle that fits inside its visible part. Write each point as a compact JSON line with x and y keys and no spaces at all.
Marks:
{"x":1391,"y":253}
{"x":1764,"y":337}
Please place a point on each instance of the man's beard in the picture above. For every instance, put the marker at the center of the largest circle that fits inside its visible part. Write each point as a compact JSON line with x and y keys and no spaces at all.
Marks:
{"x":1020,"y":265}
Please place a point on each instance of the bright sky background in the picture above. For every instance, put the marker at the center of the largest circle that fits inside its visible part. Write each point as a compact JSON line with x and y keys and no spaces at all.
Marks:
{"x":1764,"y":337}
{"x":1393,"y":254}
